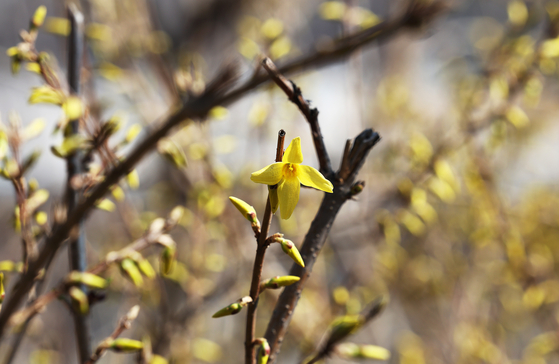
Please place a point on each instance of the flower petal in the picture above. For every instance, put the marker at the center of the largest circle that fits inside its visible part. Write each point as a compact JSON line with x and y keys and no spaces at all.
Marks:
{"x":293,"y":153}
{"x":270,"y":175}
{"x":312,"y":178}
{"x":288,"y":194}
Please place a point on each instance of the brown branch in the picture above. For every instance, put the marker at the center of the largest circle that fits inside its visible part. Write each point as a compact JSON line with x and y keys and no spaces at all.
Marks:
{"x":354,"y":157}
{"x":258,"y":264}
{"x":295,"y":96}
{"x":123,"y":324}
{"x":196,"y":107}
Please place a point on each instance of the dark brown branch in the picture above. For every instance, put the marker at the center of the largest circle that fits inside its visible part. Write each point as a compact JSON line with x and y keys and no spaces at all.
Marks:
{"x":295,"y":96}
{"x":258,"y":264}
{"x":75,"y":167}
{"x":192,"y":108}
{"x":315,"y":239}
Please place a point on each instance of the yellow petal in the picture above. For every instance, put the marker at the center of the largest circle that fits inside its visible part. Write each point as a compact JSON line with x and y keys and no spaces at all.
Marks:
{"x":288,"y":193}
{"x":293,"y":153}
{"x":269,"y":175}
{"x":312,"y":178}
{"x":274,"y":202}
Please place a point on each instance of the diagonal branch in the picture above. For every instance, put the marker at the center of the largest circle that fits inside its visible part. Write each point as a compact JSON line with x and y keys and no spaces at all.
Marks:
{"x":294,"y":95}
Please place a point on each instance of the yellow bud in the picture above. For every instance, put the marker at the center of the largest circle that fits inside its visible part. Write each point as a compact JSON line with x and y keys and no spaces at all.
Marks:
{"x":168,"y":257}
{"x":244,"y":208}
{"x":290,"y":249}
{"x":39,"y":16}
{"x":263,"y":352}
{"x":232,"y":309}
{"x":2,"y":292}
{"x":124,"y":345}
{"x":80,"y":300}
{"x":132,"y":272}
{"x":277,"y":282}
{"x":87,"y":279}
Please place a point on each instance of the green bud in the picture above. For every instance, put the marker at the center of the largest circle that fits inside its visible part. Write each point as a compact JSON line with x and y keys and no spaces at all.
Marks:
{"x":232,"y":309}
{"x":143,"y":264}
{"x":124,"y":345}
{"x":245,"y":209}
{"x":131,"y":270}
{"x":87,"y":279}
{"x":343,"y":327}
{"x":168,"y":257}
{"x":277,"y":282}
{"x":354,"y":351}
{"x":80,"y":300}
{"x":290,"y":249}
{"x":172,"y":152}
{"x":263,"y":352}
{"x":39,"y":17}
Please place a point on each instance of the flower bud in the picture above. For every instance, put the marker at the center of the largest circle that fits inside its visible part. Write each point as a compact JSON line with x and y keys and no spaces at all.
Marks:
{"x":263,"y":352}
{"x":39,"y":17}
{"x":277,"y":282}
{"x":354,"y":351}
{"x":124,"y":345}
{"x":343,"y":327}
{"x":145,"y":267}
{"x":233,"y":308}
{"x":168,"y":259}
{"x":79,"y":298}
{"x":176,"y":215}
{"x":290,"y":249}
{"x":245,"y":209}
{"x":87,"y":279}
{"x":132,"y":272}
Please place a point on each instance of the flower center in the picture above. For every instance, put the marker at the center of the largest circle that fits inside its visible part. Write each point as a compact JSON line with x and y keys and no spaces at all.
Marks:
{"x":290,"y":170}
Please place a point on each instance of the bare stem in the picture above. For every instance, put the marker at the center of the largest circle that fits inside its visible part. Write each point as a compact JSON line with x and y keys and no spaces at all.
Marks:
{"x":258,"y":264}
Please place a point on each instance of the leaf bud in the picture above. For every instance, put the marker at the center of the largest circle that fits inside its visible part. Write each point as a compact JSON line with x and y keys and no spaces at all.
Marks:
{"x":132,"y":272}
{"x":290,"y":249}
{"x":79,"y":298}
{"x":263,"y":352}
{"x":168,"y":257}
{"x":124,"y":345}
{"x":39,"y":17}
{"x":277,"y":282}
{"x":87,"y":279}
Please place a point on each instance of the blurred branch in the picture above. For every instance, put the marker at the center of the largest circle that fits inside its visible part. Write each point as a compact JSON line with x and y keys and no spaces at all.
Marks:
{"x":151,"y":237}
{"x":198,"y":107}
{"x":258,"y":264}
{"x":347,"y":326}
{"x":75,"y":167}
{"x":123,"y":324}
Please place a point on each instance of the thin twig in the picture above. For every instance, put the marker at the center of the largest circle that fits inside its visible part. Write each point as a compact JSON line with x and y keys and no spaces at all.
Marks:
{"x":258,"y":264}
{"x":194,"y":108}
{"x":123,"y":324}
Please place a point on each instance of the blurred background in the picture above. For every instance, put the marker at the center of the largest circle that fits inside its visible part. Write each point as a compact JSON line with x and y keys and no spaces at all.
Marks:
{"x":458,"y":222}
